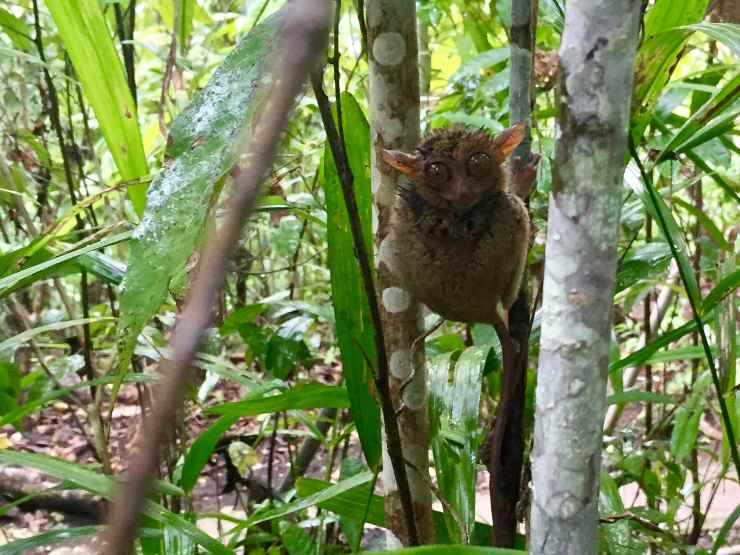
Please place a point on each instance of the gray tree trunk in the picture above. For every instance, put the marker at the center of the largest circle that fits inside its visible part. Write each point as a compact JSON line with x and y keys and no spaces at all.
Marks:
{"x":394,"y":122}
{"x":596,"y":56}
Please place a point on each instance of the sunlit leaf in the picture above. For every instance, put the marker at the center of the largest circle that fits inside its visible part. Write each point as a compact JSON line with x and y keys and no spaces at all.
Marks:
{"x":658,"y":53}
{"x":88,"y":42}
{"x":16,"y":29}
{"x":455,"y":433}
{"x":726,"y":33}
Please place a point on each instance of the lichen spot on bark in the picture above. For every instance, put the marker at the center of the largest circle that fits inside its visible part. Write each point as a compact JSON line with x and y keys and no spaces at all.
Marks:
{"x":577,"y":298}
{"x":378,"y":92}
{"x":386,"y":255}
{"x":396,"y":300}
{"x":576,"y":386}
{"x":392,"y":131}
{"x":389,"y":49}
{"x":384,"y":189}
{"x":414,"y":397}
{"x":400,"y":364}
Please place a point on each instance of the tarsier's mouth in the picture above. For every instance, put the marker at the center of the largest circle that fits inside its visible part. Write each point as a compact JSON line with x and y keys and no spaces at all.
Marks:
{"x":419,"y":205}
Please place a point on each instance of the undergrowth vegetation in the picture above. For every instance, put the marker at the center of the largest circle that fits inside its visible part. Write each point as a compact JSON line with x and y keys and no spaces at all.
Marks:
{"x":121,"y":124}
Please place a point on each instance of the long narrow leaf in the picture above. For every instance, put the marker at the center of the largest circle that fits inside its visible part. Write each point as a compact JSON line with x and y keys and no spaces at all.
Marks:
{"x":658,"y":54}
{"x":722,"y":98}
{"x":455,"y":434}
{"x":352,"y":314}
{"x":9,"y":283}
{"x":28,"y":545}
{"x":672,"y":234}
{"x":304,"y":396}
{"x":102,"y":485}
{"x":24,"y":336}
{"x":86,"y":38}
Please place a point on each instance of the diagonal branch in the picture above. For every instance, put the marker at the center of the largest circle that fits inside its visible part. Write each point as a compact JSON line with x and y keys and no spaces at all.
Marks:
{"x":395,"y":451}
{"x":303,"y":37}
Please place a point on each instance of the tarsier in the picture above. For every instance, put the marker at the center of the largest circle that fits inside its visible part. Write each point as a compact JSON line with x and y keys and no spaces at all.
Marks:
{"x":460,"y":237}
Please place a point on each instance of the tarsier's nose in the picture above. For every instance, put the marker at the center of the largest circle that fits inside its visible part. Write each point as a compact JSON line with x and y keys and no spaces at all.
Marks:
{"x":460,"y":196}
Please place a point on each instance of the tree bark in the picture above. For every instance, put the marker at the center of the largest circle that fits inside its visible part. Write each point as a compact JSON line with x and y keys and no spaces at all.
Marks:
{"x":596,"y":74}
{"x":394,"y":121}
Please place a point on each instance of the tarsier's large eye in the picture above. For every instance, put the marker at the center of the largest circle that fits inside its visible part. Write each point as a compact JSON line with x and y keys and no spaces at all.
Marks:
{"x":479,"y":164}
{"x":437,"y":173}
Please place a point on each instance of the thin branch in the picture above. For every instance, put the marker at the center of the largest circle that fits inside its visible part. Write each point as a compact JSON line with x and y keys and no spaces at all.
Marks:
{"x":393,"y":438}
{"x":126,"y":37}
{"x":302,"y":37}
{"x":506,"y":455}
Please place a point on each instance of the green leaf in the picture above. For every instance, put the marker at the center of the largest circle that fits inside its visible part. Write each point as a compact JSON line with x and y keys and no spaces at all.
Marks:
{"x":616,"y":538}
{"x":658,"y":54}
{"x":724,"y":532}
{"x":360,"y":503}
{"x":204,"y":143}
{"x":357,"y":504}
{"x":283,"y":355}
{"x":720,"y":101}
{"x":296,"y":540}
{"x":354,"y":327}
{"x":673,"y":236}
{"x":648,"y":260}
{"x":30,"y":406}
{"x":671,"y":232}
{"x":202,"y":448}
{"x":184,"y":10}
{"x":635,"y":396}
{"x":102,"y":485}
{"x":455,"y":434}
{"x":28,"y":545}
{"x":685,"y":431}
{"x":311,"y":500}
{"x":92,"y":481}
{"x":725,"y":287}
{"x":727,"y":185}
{"x":47,"y":268}
{"x":10,"y":386}
{"x":726,"y":33}
{"x":352,"y":527}
{"x":87,"y":40}
{"x":641,"y":355}
{"x":712,"y":230}
{"x":17,"y":30}
{"x":452,"y":550}
{"x":22,"y":337}
{"x":688,"y":416}
{"x":302,"y":396}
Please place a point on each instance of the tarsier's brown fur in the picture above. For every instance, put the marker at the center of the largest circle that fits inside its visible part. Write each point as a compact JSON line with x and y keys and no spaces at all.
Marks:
{"x":460,"y":239}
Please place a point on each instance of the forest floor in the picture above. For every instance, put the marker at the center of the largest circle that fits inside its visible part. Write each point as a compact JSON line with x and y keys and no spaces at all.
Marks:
{"x":54,"y":431}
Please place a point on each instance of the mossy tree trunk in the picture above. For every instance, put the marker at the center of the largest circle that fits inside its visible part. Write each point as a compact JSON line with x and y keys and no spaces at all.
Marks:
{"x":596,"y":74}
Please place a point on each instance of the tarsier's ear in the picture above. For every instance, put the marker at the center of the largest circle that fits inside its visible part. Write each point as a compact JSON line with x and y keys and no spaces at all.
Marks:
{"x":408,"y":164}
{"x":508,"y":140}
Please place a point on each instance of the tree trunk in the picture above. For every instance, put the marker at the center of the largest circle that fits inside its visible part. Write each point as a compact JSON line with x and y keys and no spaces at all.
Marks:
{"x":394,"y":120}
{"x":596,"y":57}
